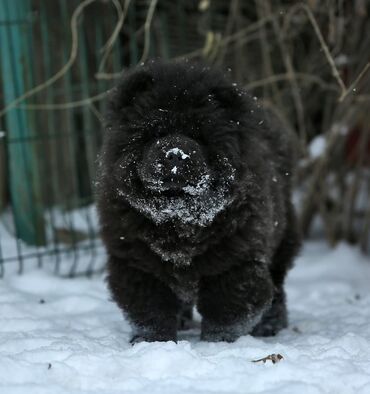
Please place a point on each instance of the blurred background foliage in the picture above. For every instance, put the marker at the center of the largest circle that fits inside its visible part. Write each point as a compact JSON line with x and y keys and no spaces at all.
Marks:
{"x":307,"y":61}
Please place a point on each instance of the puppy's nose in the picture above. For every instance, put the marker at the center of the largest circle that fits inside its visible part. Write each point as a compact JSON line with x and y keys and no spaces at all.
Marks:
{"x":176,"y":160}
{"x":172,"y":163}
{"x":176,"y":155}
{"x":177,"y":167}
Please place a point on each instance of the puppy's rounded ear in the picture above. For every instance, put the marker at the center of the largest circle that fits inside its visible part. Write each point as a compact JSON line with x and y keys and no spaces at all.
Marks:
{"x":132,"y":85}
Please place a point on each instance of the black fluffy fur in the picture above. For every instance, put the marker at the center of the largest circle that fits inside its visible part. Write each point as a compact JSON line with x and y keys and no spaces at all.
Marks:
{"x":231,"y":265}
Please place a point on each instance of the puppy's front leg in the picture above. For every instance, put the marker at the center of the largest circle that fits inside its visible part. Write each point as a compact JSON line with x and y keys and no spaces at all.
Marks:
{"x":231,"y":304}
{"x":150,"y":306}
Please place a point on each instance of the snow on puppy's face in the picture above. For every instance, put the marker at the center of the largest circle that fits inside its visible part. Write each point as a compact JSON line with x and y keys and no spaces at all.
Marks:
{"x":172,"y":164}
{"x":168,"y":149}
{"x":170,"y":179}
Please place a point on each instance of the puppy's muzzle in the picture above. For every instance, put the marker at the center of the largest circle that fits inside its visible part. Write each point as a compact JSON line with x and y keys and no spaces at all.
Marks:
{"x":173,"y":164}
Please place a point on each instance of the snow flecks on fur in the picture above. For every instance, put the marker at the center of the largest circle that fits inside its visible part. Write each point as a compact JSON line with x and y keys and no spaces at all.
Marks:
{"x":199,"y":188}
{"x":178,"y":257}
{"x":198,"y":204}
{"x":191,"y":208}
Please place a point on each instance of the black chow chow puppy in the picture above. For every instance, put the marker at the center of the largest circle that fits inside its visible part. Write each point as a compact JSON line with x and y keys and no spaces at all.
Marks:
{"x":194,"y":203}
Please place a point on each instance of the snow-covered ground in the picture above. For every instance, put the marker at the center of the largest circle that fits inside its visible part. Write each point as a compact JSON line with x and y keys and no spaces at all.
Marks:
{"x":65,"y":336}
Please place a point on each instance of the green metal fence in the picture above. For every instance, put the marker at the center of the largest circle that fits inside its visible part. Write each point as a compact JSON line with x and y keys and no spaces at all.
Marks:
{"x":60,"y":56}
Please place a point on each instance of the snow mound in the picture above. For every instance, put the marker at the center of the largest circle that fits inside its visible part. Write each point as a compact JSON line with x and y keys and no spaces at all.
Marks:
{"x":317,"y":146}
{"x":65,"y":336}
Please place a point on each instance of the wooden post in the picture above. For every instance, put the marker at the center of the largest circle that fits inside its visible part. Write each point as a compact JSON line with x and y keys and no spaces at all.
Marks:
{"x":20,"y":130}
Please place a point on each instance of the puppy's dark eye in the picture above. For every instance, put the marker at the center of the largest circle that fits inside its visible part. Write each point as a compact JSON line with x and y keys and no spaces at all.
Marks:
{"x":138,"y":136}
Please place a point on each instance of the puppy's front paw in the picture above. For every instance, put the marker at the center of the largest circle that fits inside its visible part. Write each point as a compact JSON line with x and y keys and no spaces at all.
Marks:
{"x":150,"y":338}
{"x":219,"y":336}
{"x":137,"y":339}
{"x":213,"y":332}
{"x":153,"y":336}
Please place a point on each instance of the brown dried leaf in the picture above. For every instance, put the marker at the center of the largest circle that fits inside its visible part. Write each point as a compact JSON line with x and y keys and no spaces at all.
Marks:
{"x":274,"y":358}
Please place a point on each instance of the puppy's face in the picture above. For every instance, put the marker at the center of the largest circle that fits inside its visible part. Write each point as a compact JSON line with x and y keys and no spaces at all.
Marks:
{"x":172,"y":144}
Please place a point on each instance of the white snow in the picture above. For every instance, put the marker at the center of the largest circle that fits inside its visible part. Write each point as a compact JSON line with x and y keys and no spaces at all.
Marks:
{"x":65,"y":336}
{"x":177,"y":151}
{"x":317,"y":146}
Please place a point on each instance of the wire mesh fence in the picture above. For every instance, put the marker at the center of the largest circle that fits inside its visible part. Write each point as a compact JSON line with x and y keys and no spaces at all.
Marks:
{"x":58,"y":59}
{"x":48,"y":152}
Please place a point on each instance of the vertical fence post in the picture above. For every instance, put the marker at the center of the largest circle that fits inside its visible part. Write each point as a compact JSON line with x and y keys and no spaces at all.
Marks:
{"x":24,"y":179}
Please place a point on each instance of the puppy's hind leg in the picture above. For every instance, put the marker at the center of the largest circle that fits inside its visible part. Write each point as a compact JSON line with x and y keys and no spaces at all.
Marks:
{"x":276,"y":317}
